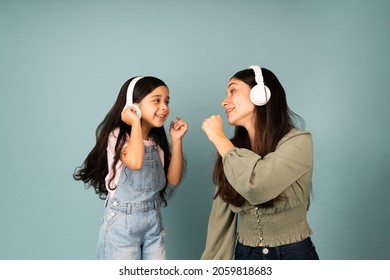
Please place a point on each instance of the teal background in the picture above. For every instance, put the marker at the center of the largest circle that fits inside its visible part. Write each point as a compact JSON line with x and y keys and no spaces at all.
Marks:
{"x":62,"y":64}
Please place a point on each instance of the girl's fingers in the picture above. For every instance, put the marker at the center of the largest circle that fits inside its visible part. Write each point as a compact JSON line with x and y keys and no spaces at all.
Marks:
{"x":179,"y":124}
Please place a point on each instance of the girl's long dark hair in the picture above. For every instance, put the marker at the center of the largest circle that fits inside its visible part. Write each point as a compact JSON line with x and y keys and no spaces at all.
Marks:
{"x":273,"y":121}
{"x":94,"y":169}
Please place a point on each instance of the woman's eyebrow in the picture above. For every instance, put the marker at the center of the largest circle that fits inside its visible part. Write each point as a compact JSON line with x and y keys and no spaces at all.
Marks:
{"x":232,"y":84}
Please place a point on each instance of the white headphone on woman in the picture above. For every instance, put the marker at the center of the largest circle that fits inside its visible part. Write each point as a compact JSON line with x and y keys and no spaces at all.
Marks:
{"x":260,"y":93}
{"x":129,"y":97}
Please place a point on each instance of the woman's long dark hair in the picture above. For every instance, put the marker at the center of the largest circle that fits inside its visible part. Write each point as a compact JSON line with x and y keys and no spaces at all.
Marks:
{"x":95,"y":167}
{"x":273,"y":121}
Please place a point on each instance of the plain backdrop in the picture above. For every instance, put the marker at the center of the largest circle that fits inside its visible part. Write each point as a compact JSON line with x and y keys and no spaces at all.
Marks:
{"x":62,"y":64}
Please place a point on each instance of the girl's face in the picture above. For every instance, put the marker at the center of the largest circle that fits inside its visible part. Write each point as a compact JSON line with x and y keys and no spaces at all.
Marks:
{"x":155,"y":107}
{"x":240,"y":111}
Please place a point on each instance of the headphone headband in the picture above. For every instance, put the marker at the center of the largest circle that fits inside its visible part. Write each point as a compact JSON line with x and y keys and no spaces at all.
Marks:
{"x":260,"y":93}
{"x":258,"y":74}
{"x":129,"y":96}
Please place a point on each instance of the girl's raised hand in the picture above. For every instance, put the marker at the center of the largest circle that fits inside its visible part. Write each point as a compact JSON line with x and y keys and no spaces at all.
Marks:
{"x":178,"y":130}
{"x":129,"y":116}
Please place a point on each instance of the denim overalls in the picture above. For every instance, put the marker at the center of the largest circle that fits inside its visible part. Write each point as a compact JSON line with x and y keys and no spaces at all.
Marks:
{"x":132,"y":223}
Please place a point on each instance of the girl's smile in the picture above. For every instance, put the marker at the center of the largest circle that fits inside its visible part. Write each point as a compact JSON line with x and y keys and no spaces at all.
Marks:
{"x":162,"y":117}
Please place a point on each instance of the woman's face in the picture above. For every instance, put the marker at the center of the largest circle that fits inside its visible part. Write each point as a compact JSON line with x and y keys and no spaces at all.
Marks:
{"x":240,"y":111}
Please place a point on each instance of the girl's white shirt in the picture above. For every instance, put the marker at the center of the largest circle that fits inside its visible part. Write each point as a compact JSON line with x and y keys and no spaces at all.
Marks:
{"x":112,"y":139}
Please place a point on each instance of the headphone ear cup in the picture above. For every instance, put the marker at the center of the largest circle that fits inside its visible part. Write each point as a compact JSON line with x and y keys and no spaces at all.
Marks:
{"x":260,"y":95}
{"x":136,"y":109}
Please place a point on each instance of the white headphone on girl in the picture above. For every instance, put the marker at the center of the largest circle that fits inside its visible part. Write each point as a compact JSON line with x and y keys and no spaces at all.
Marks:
{"x":129,"y":97}
{"x":260,"y":93}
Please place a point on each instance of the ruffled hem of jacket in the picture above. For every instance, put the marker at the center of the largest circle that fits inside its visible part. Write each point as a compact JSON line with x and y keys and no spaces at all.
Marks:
{"x":277,"y":242}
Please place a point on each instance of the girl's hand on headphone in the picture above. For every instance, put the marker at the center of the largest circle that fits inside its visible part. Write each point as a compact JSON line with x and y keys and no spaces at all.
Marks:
{"x":178,"y":130}
{"x":129,"y":116}
{"x":213,"y":127}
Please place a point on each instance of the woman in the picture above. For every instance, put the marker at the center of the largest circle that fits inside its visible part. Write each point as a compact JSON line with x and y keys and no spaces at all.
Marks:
{"x":263,"y":174}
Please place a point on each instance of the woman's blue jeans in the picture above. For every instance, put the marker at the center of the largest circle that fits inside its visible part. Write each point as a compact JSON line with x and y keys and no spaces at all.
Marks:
{"x":303,"y":250}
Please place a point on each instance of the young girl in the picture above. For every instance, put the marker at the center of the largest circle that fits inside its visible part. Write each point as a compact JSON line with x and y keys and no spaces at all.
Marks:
{"x":263,"y":174}
{"x":133,"y":166}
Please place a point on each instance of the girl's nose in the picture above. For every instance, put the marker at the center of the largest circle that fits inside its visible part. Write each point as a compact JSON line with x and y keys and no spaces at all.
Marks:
{"x":164,"y":106}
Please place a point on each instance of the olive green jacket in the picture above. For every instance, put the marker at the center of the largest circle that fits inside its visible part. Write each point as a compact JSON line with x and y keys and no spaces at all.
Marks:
{"x":285,"y":175}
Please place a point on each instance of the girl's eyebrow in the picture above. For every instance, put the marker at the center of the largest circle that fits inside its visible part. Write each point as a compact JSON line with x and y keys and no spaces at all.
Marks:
{"x":159,"y":95}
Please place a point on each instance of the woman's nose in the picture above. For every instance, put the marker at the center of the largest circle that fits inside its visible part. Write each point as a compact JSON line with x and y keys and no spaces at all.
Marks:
{"x":224,"y":102}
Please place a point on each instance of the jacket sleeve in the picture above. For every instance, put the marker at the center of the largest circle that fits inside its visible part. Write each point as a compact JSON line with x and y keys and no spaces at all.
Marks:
{"x":258,"y":179}
{"x":221,"y":232}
